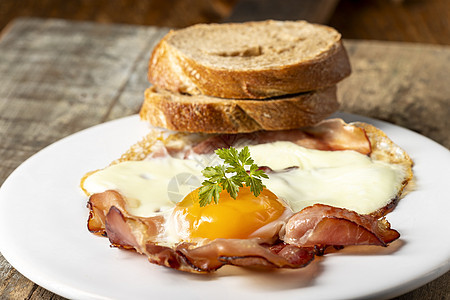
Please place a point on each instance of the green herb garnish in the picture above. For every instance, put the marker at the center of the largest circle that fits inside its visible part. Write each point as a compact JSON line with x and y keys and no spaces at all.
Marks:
{"x":234,"y":163}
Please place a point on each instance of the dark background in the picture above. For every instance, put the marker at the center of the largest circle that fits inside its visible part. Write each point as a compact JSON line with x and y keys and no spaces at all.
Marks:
{"x":425,"y":21}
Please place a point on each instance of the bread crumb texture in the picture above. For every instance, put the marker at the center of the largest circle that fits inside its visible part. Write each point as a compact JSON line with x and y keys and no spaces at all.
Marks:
{"x":254,"y":45}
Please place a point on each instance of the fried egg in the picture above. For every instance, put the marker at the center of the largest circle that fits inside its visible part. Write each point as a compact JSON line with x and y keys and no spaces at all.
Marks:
{"x":301,"y":177}
{"x":238,"y":218}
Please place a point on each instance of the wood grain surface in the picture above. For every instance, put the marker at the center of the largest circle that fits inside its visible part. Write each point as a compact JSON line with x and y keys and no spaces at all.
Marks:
{"x":59,"y":77}
{"x":173,"y":13}
{"x":420,"y":21}
{"x":424,"y":21}
{"x":403,"y":83}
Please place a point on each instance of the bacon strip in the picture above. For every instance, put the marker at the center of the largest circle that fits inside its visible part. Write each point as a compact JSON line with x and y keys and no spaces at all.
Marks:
{"x":118,"y":232}
{"x":121,"y":231}
{"x":315,"y":227}
{"x":107,"y":210}
{"x":242,"y":253}
{"x":331,"y":226}
{"x":99,"y":205}
{"x":331,"y":135}
{"x":306,"y":232}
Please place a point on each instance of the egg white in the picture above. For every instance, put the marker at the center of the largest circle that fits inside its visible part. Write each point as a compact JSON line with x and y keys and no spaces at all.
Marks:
{"x":345,"y":179}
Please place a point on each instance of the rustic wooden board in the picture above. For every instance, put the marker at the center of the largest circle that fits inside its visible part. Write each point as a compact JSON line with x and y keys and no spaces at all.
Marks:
{"x":316,"y":11}
{"x":403,"y":83}
{"x":59,"y":77}
{"x":420,"y":21}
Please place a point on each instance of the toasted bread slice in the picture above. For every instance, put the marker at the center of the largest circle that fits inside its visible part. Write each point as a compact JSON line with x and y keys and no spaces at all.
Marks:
{"x":253,"y":60}
{"x":201,"y":113}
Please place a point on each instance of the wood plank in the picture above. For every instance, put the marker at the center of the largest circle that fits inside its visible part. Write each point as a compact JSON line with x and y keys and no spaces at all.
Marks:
{"x":402,"y":83}
{"x":420,"y":21}
{"x":316,"y":11}
{"x":53,"y":74}
{"x":425,"y":21}
{"x":173,"y":13}
{"x":130,"y":100}
{"x":12,"y":284}
{"x":59,"y":77}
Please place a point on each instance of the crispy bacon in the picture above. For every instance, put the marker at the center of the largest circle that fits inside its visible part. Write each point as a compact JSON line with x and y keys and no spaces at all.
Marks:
{"x":99,"y":205}
{"x":313,"y":228}
{"x":107,"y":210}
{"x":132,"y":233}
{"x":331,"y":226}
{"x":243,"y":253}
{"x":118,"y":231}
{"x":331,"y":135}
{"x":296,"y":241}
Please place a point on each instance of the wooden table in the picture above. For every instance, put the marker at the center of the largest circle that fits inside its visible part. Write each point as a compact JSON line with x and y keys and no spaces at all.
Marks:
{"x":59,"y":77}
{"x":423,"y":21}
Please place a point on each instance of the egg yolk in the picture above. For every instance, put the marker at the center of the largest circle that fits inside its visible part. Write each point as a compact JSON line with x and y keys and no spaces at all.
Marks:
{"x":230,"y":218}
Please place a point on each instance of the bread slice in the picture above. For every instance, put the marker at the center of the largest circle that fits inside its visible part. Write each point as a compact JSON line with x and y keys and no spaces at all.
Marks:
{"x":253,"y":60}
{"x":207,"y":114}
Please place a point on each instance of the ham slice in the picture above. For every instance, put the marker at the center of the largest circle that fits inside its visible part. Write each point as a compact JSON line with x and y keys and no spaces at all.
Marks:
{"x":243,"y":252}
{"x":307,"y":233}
{"x":295,"y":242}
{"x":331,"y":226}
{"x":331,"y":135}
{"x":108,"y":211}
{"x":140,"y":234}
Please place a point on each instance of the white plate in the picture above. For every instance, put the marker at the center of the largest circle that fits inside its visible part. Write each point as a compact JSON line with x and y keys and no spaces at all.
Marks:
{"x":43,"y":233}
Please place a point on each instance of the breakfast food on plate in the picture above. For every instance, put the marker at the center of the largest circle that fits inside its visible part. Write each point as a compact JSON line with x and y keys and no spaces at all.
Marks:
{"x":260,"y":182}
{"x":328,"y":186}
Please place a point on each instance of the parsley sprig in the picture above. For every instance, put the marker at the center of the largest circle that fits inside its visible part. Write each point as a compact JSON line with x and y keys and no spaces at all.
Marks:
{"x":235,"y":163}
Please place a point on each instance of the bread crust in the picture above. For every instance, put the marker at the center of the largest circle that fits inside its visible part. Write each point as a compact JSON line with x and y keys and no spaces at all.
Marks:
{"x":171,"y":69}
{"x":206,"y":114}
